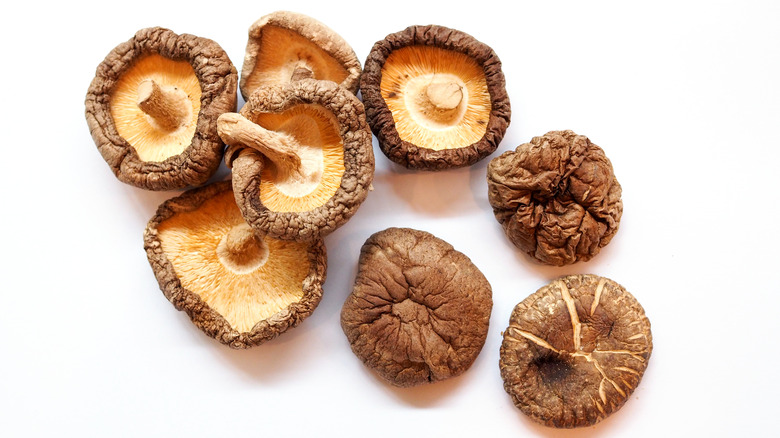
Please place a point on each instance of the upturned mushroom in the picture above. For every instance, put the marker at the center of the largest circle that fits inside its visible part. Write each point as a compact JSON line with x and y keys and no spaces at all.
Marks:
{"x":301,"y":156}
{"x":575,"y":350}
{"x":152,"y":108}
{"x":283,"y":45}
{"x":435,"y":98}
{"x":237,"y":286}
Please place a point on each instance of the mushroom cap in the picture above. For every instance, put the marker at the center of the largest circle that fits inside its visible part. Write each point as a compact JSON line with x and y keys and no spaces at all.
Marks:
{"x":138,"y":152}
{"x":575,"y":350}
{"x":455,"y":123}
{"x":327,"y":112}
{"x":282,"y":40}
{"x":419,"y":310}
{"x":556,"y":197}
{"x":241,"y":297}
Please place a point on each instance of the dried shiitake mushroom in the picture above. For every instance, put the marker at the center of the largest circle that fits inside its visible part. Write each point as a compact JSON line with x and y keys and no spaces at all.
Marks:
{"x":435,"y":98}
{"x":152,"y":108}
{"x":237,"y":286}
{"x":283,"y":45}
{"x":556,"y":197}
{"x":419,"y":310}
{"x":575,"y":350}
{"x":302,"y":158}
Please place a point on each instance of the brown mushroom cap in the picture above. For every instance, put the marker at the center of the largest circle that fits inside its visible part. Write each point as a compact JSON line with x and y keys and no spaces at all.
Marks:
{"x":435,"y":98}
{"x":419,"y":310}
{"x":282,"y":41}
{"x":152,"y":108}
{"x":575,"y":350}
{"x":237,"y":287}
{"x":556,"y":197}
{"x":326,"y":127}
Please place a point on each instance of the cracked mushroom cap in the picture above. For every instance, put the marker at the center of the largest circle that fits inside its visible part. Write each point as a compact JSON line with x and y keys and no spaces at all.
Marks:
{"x":282,"y":42}
{"x":153,"y":105}
{"x":302,"y":158}
{"x":575,"y":350}
{"x":419,"y":310}
{"x":435,"y":98}
{"x":556,"y":197}
{"x":236,"y":286}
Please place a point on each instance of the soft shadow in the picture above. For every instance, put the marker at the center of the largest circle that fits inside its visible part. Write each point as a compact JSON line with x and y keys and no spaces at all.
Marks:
{"x":274,"y":361}
{"x":606,"y":426}
{"x":423,"y":396}
{"x":441,"y":193}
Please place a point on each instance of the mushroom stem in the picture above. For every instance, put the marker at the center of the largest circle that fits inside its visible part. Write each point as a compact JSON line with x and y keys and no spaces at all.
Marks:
{"x":168,"y":106}
{"x":444,"y":95}
{"x":301,"y":72}
{"x":240,"y":239}
{"x":241,"y":250}
{"x":236,"y":130}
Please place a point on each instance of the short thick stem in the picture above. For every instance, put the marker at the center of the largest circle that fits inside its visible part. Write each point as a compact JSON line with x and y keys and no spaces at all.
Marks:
{"x":168,"y":106}
{"x":241,"y":250}
{"x":239,"y":239}
{"x":238,"y":131}
{"x":444,"y":95}
{"x":301,"y":72}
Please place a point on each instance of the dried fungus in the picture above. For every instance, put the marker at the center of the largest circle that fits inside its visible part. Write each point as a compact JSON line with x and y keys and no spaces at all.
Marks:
{"x":556,"y":197}
{"x":283,"y":44}
{"x":237,"y":286}
{"x":435,"y":98}
{"x":419,"y":309}
{"x":575,"y":350}
{"x":153,"y":105}
{"x":301,"y":156}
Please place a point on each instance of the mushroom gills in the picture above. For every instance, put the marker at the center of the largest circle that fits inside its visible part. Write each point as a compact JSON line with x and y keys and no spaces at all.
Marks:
{"x":439,"y":98}
{"x":310,"y":133}
{"x":155,"y":107}
{"x":280,"y":51}
{"x":244,"y":278}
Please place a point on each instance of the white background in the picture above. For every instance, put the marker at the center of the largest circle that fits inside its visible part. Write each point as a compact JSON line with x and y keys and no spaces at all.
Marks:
{"x":682,"y":96}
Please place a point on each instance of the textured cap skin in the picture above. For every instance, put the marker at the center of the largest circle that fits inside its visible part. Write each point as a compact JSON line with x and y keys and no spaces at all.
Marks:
{"x":201,"y":314}
{"x":556,"y":197}
{"x":309,"y":28}
{"x":575,"y":350}
{"x":218,"y":80}
{"x":419,"y":310}
{"x":381,"y":119}
{"x":358,"y":162}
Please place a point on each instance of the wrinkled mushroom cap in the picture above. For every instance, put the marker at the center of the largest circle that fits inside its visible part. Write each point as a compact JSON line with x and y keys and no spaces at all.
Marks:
{"x":419,"y":310}
{"x":556,"y":197}
{"x":237,"y":287}
{"x":140,"y":151}
{"x":329,"y":121}
{"x":575,"y":350}
{"x":282,"y":41}
{"x":435,"y":98}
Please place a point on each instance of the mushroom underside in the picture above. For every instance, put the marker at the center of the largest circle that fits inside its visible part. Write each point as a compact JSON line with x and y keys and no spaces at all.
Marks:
{"x":438,"y":98}
{"x":237,"y":286}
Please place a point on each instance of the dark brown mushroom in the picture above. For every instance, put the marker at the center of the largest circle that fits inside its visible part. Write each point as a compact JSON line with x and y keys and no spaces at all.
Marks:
{"x":238,"y":287}
{"x":435,"y":98}
{"x":283,"y":43}
{"x":556,"y":197}
{"x":152,"y":108}
{"x":419,"y":310}
{"x":302,"y":158}
{"x":575,"y":350}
